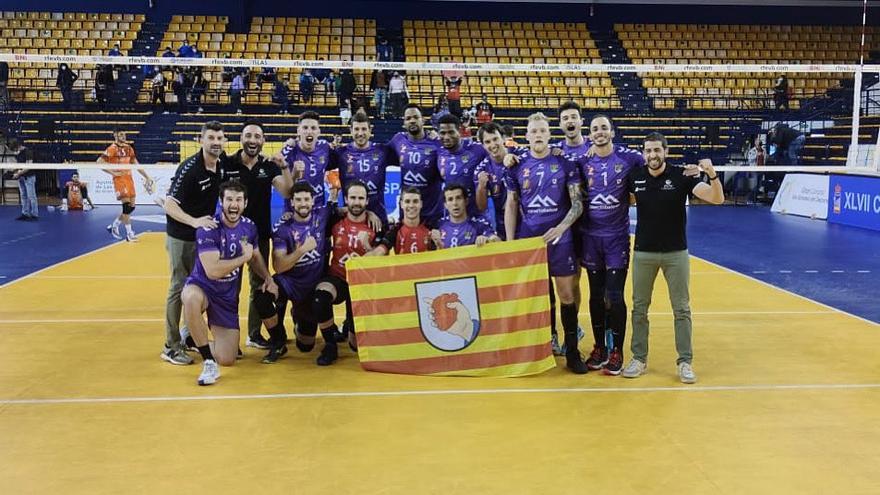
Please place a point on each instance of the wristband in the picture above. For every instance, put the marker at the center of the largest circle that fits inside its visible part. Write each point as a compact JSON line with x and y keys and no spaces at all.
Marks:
{"x":713,"y":178}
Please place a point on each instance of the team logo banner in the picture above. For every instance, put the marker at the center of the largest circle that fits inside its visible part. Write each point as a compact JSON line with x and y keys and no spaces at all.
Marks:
{"x":467,"y":311}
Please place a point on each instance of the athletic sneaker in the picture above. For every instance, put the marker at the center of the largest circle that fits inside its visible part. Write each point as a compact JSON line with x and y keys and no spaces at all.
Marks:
{"x":114,"y":231}
{"x":635,"y":369}
{"x":131,"y":237}
{"x":274,"y":355}
{"x":328,"y":356}
{"x":598,"y":358}
{"x":686,"y":373}
{"x":575,"y":363}
{"x":186,"y":339}
{"x":210,"y":373}
{"x":176,"y":356}
{"x":258,"y":342}
{"x":614,"y":364}
{"x":559,"y":349}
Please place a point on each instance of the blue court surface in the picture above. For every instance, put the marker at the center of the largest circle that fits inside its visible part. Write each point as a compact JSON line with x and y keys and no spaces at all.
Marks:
{"x":832,"y":264}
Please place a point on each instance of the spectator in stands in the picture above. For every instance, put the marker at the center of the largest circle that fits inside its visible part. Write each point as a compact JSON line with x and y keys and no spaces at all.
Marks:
{"x":236,"y":91}
{"x":4,"y":85}
{"x":281,"y":95}
{"x":384,"y":51}
{"x":379,"y":87}
{"x":104,"y":86}
{"x":347,"y":85}
{"x":64,"y":82}
{"x":185,"y":50}
{"x":483,"y":110}
{"x":440,"y":109}
{"x":344,"y":110}
{"x":331,"y":83}
{"x":320,"y":74}
{"x":168,"y":52}
{"x":453,"y":95}
{"x":789,"y":144}
{"x":507,"y":134}
{"x":467,"y":123}
{"x":115,"y":51}
{"x":306,"y":86}
{"x":398,"y":93}
{"x":157,"y":92}
{"x":27,"y":180}
{"x":780,"y":92}
{"x":196,"y":53}
{"x":199,"y":88}
{"x":267,"y":75}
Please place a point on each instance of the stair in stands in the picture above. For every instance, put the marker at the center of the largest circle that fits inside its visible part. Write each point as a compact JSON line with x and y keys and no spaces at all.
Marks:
{"x":155,"y":142}
{"x":632,"y":94}
{"x":145,"y":45}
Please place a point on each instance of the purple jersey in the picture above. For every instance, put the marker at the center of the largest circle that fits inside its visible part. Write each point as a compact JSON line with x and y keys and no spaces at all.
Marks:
{"x":574,"y":152}
{"x":542,"y":187}
{"x":418,"y":168}
{"x":464,"y":233}
{"x":458,"y":167}
{"x":318,"y":161}
{"x":496,"y":188}
{"x":367,"y":165}
{"x":607,"y":201}
{"x":308,"y":270}
{"x":227,"y":240}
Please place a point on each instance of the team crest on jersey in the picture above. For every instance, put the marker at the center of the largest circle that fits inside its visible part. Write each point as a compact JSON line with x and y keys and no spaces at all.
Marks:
{"x":468,"y":235}
{"x":449,"y":312}
{"x":465,"y":158}
{"x":554,"y":168}
{"x":618,"y":168}
{"x":322,"y":159}
{"x":526,"y":184}
{"x":350,"y":169}
{"x":375,"y":156}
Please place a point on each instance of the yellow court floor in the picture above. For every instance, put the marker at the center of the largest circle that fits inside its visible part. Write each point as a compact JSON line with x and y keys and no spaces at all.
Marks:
{"x":788,"y":402}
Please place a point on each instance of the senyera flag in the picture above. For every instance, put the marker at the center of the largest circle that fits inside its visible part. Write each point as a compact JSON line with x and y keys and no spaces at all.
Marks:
{"x":467,"y":311}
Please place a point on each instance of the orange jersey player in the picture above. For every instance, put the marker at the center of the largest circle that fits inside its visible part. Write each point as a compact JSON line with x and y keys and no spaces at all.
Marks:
{"x":121,"y":153}
{"x":76,"y":195}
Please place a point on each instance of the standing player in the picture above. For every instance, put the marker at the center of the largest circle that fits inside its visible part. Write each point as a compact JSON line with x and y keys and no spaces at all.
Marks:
{"x":366,"y":161}
{"x":121,"y":153}
{"x":457,"y":159}
{"x":352,"y":236}
{"x":491,"y":173}
{"x":215,"y":282}
{"x":571,"y":124}
{"x":300,"y":245}
{"x":76,"y":195}
{"x":547,"y":191}
{"x":605,"y":241}
{"x":411,"y":234}
{"x":310,"y":157}
{"x":417,"y":155}
{"x":458,"y":228}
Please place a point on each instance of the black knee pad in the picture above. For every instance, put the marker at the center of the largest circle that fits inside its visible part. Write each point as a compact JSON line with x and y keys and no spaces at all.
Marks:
{"x":127,"y":208}
{"x":322,"y":305}
{"x":265,"y":304}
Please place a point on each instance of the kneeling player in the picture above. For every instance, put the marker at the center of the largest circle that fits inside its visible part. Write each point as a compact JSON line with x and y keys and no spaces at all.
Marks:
{"x":215,"y":282}
{"x":457,"y":229}
{"x":299,"y":256}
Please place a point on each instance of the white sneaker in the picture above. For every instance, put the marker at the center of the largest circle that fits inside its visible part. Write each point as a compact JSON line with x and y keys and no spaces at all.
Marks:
{"x":210,"y":373}
{"x":686,"y":373}
{"x":131,"y":237}
{"x":114,"y":231}
{"x":634,"y":369}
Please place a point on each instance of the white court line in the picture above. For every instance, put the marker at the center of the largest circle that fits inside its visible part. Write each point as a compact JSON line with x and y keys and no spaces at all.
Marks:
{"x":417,"y":393}
{"x":811,"y":271}
{"x":24,"y":238}
{"x":243,"y":318}
{"x":784,"y":271}
{"x":838,"y":271}
{"x":767,"y":284}
{"x":41,"y":270}
{"x":100,"y":277}
{"x":863,"y":271}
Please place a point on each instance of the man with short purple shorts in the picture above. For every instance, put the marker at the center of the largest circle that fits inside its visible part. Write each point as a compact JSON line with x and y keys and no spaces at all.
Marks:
{"x":605,"y":241}
{"x":215,"y":282}
{"x":546,"y":190}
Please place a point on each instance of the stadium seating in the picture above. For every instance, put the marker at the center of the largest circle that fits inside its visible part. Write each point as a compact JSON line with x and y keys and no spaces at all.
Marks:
{"x":739,"y":44}
{"x":508,"y":42}
{"x":57,"y":33}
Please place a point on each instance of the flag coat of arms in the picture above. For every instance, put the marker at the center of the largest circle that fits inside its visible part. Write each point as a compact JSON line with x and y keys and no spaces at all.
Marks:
{"x":467,"y":311}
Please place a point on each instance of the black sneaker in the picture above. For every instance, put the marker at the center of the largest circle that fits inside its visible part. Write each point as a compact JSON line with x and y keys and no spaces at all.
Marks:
{"x":22,"y":218}
{"x":328,"y":356}
{"x":598,"y":358}
{"x":257,"y":342}
{"x":274,"y":355}
{"x":575,"y":363}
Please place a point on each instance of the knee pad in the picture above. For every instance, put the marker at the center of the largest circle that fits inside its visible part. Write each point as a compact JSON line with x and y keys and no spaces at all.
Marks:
{"x":322,"y":305}
{"x":127,"y":208}
{"x":265,"y":304}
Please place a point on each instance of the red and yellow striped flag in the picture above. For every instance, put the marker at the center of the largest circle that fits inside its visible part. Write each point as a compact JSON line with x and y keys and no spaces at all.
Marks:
{"x":467,"y":311}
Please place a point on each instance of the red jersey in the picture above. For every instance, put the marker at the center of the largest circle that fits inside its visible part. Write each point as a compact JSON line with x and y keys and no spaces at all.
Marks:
{"x":347,"y":245}
{"x":412,"y":239}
